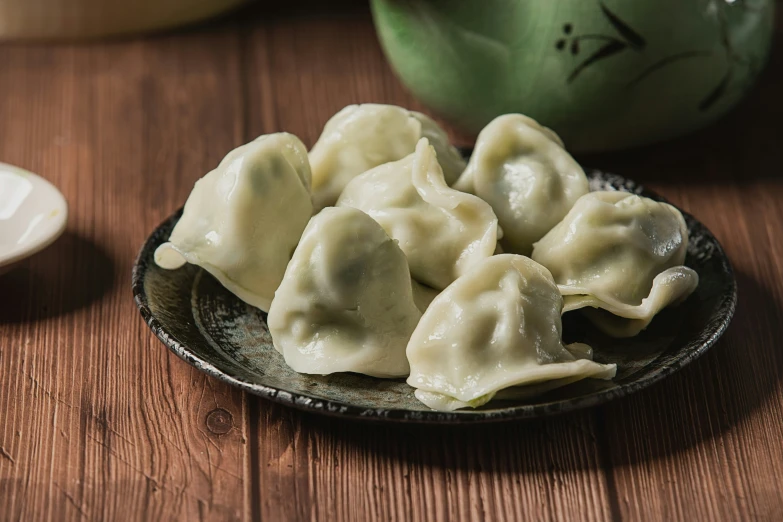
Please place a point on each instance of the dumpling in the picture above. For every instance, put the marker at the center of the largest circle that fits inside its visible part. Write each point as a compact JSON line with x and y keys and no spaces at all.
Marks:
{"x":243,"y":220}
{"x":346,"y":302}
{"x":494,"y":328}
{"x":522,"y":170}
{"x":442,"y":231}
{"x":621,"y":253}
{"x":617,"y":319}
{"x":361,"y":137}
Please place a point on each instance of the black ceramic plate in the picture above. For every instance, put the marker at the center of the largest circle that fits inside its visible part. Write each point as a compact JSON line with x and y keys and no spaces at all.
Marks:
{"x":208,"y":327}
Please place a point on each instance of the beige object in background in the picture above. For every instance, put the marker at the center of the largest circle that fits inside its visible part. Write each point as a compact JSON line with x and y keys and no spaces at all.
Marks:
{"x":56,"y":19}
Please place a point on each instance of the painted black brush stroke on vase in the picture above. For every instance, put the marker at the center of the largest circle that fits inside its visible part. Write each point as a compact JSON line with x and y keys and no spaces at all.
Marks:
{"x":629,"y":39}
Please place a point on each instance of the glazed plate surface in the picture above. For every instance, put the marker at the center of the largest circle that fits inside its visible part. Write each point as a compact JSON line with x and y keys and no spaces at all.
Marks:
{"x":204,"y":324}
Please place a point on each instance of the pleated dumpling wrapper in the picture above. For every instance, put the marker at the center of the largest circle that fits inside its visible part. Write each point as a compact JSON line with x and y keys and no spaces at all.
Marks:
{"x":620,"y":253}
{"x":495,"y":329}
{"x":243,"y":220}
{"x":522,"y":170}
{"x":443,"y":232}
{"x":361,"y":137}
{"x":346,"y":302}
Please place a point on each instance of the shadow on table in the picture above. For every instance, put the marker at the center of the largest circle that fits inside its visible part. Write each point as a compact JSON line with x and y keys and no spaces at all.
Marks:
{"x":720,"y":391}
{"x":65,"y":277}
{"x":715,"y":393}
{"x":252,"y":15}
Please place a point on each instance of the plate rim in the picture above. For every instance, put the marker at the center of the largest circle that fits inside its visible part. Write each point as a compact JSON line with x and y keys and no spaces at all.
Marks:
{"x":726,"y":309}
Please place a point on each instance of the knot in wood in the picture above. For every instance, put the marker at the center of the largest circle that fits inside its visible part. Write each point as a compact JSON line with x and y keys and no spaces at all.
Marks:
{"x":220,"y":421}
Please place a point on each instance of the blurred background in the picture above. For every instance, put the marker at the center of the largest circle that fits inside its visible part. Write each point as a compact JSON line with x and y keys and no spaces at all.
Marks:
{"x":605,"y":74}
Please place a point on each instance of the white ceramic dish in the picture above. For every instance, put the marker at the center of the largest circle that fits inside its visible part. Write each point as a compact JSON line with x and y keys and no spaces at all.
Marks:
{"x":33,"y":214}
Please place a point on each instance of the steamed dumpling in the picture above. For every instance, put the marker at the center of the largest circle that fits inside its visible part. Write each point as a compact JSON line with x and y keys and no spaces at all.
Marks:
{"x":361,"y":137}
{"x":618,"y":319}
{"x":243,"y":220}
{"x":346,"y":303}
{"x":443,"y":232}
{"x":494,"y":328}
{"x":621,"y":253}
{"x":522,"y":170}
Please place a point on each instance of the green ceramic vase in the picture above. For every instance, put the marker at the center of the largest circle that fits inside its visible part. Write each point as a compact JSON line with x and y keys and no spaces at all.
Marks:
{"x":605,"y":74}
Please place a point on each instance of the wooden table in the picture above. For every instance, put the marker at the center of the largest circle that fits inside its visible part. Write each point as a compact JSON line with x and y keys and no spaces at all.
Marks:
{"x":98,"y":421}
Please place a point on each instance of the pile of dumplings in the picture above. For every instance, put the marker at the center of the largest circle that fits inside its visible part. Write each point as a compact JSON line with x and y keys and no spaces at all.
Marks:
{"x":381,"y":252}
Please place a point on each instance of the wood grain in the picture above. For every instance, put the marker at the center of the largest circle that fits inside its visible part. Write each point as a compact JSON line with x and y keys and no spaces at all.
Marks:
{"x":99,"y":421}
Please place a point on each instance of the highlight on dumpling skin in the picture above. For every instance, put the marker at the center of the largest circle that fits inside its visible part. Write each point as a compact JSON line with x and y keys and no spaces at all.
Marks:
{"x":522,"y":170}
{"x":442,"y":231}
{"x":621,"y":253}
{"x":243,"y":220}
{"x":496,"y":328}
{"x":346,"y":303}
{"x":361,"y":137}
